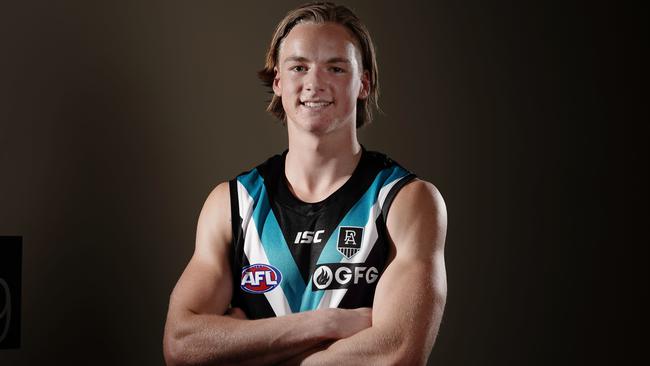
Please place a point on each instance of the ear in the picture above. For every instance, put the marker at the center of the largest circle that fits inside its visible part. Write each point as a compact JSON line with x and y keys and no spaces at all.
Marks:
{"x":364,"y":91}
{"x":277,"y":87}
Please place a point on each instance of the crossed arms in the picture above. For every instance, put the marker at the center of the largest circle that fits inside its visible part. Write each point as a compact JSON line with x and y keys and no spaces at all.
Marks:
{"x":400,"y":328}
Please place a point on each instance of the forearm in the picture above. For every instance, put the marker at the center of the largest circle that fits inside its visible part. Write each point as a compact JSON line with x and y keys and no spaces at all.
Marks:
{"x":201,"y":339}
{"x":405,"y":323}
{"x":371,"y":346}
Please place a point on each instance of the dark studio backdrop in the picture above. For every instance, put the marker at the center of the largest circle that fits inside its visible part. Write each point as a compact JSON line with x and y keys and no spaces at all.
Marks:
{"x":118,"y":118}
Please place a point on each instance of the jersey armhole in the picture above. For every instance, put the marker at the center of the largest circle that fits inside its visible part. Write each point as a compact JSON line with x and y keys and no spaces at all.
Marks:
{"x":235,"y":219}
{"x":393,"y":192}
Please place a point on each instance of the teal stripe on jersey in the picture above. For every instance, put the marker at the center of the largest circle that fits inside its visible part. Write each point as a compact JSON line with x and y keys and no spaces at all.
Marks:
{"x":357,"y":216}
{"x":275,"y":247}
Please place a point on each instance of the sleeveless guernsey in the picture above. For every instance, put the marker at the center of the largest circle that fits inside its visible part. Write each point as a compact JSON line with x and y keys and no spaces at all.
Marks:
{"x":289,"y":256}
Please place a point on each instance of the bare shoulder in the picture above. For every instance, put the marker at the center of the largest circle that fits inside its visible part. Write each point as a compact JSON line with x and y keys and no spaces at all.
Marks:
{"x":214,"y":225}
{"x":423,"y":195}
{"x":417,"y":198}
{"x":418,"y":217}
{"x":219,"y":199}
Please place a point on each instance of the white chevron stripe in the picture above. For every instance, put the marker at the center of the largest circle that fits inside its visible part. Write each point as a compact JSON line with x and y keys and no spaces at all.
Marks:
{"x":255,"y":251}
{"x":332,"y":298}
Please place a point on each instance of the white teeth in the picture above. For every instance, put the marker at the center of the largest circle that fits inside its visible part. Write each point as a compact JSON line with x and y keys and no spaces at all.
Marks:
{"x":316,"y":104}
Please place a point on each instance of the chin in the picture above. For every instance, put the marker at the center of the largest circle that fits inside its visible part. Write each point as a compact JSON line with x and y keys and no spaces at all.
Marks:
{"x":318,"y":126}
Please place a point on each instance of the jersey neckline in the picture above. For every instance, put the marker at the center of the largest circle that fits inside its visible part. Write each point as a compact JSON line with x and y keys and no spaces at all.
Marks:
{"x":287,"y":197}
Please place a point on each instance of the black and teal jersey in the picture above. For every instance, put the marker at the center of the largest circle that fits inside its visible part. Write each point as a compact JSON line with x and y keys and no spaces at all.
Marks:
{"x":289,"y":256}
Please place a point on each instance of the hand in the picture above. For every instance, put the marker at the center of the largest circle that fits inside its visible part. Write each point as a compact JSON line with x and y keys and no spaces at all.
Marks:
{"x":236,"y":313}
{"x":342,"y":323}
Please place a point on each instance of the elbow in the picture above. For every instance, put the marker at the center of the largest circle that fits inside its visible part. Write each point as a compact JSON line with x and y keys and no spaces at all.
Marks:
{"x":172,"y":351}
{"x":405,"y":356}
{"x":179,"y":350}
{"x":175,"y":354}
{"x":404,"y":351}
{"x":175,"y":350}
{"x":176,"y":343}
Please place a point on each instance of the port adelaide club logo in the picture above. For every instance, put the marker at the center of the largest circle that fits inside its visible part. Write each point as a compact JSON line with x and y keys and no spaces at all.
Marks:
{"x":349,"y":240}
{"x":260,"y":278}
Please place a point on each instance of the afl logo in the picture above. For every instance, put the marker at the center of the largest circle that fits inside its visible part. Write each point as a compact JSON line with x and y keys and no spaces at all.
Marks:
{"x":260,"y":278}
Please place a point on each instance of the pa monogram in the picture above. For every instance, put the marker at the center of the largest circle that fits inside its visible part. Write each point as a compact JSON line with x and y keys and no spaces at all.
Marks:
{"x":349,"y":240}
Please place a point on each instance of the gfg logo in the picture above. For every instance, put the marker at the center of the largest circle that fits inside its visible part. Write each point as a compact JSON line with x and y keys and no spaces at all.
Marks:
{"x":333,"y":276}
{"x":260,"y":278}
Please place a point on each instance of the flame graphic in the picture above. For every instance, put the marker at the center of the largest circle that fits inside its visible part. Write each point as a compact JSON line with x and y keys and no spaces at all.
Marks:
{"x":322,"y":278}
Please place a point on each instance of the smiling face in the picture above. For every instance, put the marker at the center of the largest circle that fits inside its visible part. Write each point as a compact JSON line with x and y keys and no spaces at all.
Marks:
{"x":319,"y":77}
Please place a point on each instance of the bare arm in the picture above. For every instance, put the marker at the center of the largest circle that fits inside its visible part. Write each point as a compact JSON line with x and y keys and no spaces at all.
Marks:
{"x":201,"y":330}
{"x":411,"y":294}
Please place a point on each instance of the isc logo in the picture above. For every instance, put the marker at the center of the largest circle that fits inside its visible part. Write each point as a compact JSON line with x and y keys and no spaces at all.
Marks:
{"x":308,"y":237}
{"x":260,"y":278}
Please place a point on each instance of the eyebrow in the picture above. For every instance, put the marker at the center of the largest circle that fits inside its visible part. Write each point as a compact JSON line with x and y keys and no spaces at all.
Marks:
{"x":333,"y":60}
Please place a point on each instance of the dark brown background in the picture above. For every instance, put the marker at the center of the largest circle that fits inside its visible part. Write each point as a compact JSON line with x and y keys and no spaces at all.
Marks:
{"x":118,"y":118}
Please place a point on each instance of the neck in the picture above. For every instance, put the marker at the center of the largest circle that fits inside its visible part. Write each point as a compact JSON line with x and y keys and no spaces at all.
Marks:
{"x":317,"y":165}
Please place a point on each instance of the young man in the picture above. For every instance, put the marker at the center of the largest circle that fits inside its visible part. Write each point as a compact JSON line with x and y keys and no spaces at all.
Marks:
{"x":300,"y":260}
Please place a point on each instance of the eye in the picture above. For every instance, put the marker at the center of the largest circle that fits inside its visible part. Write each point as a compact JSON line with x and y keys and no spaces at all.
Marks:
{"x":298,"y":68}
{"x":337,"y":69}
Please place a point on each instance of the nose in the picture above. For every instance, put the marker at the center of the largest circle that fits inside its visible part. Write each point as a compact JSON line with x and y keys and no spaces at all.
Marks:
{"x":314,"y":80}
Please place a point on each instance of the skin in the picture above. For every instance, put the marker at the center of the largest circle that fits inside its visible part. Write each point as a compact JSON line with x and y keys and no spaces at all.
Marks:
{"x":317,"y":62}
{"x":323,"y":145}
{"x":320,"y":62}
